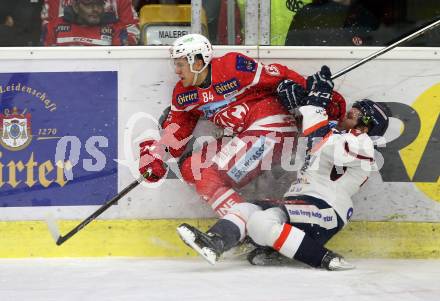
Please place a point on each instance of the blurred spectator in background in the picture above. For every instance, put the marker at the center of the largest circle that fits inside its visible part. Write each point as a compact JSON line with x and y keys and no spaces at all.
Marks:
{"x":120,"y":14}
{"x":332,"y":23}
{"x":83,"y":26}
{"x":7,"y":30}
{"x":217,"y":14}
{"x":399,"y":18}
{"x":17,"y":22}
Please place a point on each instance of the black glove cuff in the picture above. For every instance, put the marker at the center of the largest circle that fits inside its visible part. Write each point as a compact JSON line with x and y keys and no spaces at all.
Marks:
{"x":291,"y":95}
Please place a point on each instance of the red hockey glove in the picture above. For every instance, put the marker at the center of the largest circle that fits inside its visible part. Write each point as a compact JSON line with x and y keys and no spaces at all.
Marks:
{"x":151,"y":160}
{"x":336,"y":109}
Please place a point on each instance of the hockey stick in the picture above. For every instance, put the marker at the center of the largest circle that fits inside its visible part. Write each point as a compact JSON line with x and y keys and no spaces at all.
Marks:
{"x":386,"y":49}
{"x":59,"y":239}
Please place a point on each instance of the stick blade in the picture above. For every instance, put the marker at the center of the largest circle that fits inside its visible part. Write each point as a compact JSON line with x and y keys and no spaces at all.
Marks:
{"x":53,"y":228}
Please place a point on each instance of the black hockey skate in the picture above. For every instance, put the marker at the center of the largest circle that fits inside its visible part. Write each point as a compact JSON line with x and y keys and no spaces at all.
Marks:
{"x":335,"y":262}
{"x":265,"y":256}
{"x":208,"y":245}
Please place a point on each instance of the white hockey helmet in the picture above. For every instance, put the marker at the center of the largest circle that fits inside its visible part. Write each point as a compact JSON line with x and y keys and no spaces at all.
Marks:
{"x":191,"y":45}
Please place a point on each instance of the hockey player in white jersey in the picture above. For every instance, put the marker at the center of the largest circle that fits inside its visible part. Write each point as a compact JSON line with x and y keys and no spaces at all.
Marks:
{"x":318,"y":204}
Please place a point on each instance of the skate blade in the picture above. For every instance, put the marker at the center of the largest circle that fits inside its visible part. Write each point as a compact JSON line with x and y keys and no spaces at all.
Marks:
{"x":341,"y":266}
{"x":188,"y":238}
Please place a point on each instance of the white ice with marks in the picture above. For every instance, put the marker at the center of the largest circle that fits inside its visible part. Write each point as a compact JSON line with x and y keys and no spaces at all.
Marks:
{"x":195,"y":280}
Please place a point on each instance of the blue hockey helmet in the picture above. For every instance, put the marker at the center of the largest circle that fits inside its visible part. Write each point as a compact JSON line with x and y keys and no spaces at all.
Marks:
{"x":374,"y":115}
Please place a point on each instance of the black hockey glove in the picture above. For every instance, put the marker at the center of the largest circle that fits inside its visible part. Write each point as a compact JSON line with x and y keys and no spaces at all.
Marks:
{"x":291,"y":94}
{"x":320,"y":88}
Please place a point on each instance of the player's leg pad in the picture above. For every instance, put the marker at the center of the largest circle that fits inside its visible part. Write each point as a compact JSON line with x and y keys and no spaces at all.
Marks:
{"x":208,"y":245}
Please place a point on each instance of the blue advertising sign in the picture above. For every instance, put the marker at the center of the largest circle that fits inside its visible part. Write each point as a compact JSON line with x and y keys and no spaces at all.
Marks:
{"x":58,"y":138}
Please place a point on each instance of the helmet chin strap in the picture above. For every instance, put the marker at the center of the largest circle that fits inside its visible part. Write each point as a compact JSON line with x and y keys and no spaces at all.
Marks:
{"x":196,"y":75}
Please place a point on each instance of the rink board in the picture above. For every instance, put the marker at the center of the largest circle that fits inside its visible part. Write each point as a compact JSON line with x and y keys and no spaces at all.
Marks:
{"x":158,"y":238}
{"x":395,"y":213}
{"x":138,"y":81}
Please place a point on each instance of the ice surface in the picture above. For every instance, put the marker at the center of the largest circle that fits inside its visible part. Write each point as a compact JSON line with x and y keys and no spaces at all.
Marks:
{"x":193,"y":279}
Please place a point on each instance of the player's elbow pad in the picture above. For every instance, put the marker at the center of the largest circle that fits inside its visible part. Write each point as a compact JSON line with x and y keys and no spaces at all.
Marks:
{"x":314,"y":118}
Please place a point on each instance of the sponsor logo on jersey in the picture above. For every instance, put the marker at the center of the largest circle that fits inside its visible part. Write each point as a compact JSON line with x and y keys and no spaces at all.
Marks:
{"x":63,"y":28}
{"x":311,"y":214}
{"x":245,"y":64}
{"x":272,"y":70}
{"x":227,"y":87}
{"x":232,"y":117}
{"x":210,"y":109}
{"x":83,"y":39}
{"x":321,"y":111}
{"x":107,"y":30}
{"x":106,"y":38}
{"x":251,"y":159}
{"x":187,"y":98}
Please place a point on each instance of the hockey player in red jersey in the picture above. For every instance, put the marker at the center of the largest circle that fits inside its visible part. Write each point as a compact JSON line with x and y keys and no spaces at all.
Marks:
{"x":85,"y":27}
{"x":237,"y":94}
{"x":118,"y":15}
{"x":318,"y":204}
